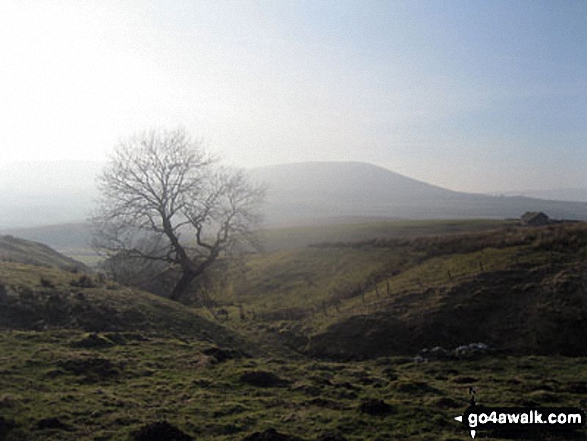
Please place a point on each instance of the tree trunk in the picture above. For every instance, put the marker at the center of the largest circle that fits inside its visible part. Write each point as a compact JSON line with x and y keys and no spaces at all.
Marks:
{"x":192,"y":272}
{"x":183,"y":284}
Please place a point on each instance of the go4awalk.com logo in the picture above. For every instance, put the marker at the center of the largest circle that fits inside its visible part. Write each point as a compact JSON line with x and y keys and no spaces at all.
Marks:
{"x":522,"y":419}
{"x":515,"y":420}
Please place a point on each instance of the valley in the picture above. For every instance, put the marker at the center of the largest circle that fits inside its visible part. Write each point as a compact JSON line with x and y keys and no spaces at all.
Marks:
{"x":331,"y":338}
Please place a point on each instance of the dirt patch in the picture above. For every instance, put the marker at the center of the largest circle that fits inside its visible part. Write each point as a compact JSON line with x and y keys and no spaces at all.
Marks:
{"x":220,"y":355}
{"x":160,"y":431}
{"x":465,"y":380}
{"x":51,"y":423}
{"x":331,"y":437}
{"x":416,"y":388}
{"x":446,"y":403}
{"x":263,"y":379}
{"x":375,"y":407}
{"x":271,"y":435}
{"x":328,"y":404}
{"x":91,"y":370}
{"x":576,"y":387}
{"x":5,"y":427}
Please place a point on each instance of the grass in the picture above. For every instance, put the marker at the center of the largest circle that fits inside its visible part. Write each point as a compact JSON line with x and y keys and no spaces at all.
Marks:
{"x":342,"y":274}
{"x":342,"y":294}
{"x":37,"y":298}
{"x":13,"y":249}
{"x":168,"y":379}
{"x":132,"y":358}
{"x":286,"y":238}
{"x":74,"y":240}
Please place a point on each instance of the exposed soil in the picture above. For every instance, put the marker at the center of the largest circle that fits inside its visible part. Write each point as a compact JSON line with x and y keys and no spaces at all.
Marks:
{"x":161,"y":431}
{"x":271,"y":435}
{"x":263,"y":379}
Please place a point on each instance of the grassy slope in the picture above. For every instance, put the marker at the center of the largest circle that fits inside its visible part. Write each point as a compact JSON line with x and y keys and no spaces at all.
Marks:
{"x":105,"y":387}
{"x":515,"y":288}
{"x":38,"y":298}
{"x":294,"y":275}
{"x":528,"y":296}
{"x":13,"y":249}
{"x":287,"y":238}
{"x":107,"y":393}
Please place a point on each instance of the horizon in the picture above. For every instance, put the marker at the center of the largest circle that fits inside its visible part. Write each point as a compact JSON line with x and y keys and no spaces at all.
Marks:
{"x":45,"y":193}
{"x":483,"y":97}
{"x":505,"y":192}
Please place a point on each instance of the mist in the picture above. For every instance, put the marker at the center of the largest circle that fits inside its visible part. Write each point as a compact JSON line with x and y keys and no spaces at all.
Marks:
{"x":474,"y":98}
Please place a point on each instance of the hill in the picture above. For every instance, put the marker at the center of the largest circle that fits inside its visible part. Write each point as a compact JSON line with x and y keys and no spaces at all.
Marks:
{"x":85,"y":359}
{"x":46,"y":193}
{"x":41,"y":298}
{"x":70,"y":239}
{"x":519,"y":289}
{"x":13,"y":249}
{"x":558,"y":194}
{"x":303,"y":192}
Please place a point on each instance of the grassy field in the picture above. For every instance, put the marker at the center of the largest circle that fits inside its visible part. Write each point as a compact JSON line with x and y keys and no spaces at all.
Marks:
{"x":287,"y":238}
{"x":74,"y":240}
{"x":306,"y":340}
{"x":67,"y":386}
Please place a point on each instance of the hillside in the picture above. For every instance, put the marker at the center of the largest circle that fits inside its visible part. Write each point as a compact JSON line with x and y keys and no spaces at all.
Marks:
{"x":13,"y":249}
{"x":532,"y":310}
{"x":41,"y":298}
{"x":303,"y":192}
{"x":55,"y":389}
{"x":521,"y":290}
{"x":428,"y":283}
{"x":559,"y":194}
{"x":84,"y":359}
{"x":37,"y":194}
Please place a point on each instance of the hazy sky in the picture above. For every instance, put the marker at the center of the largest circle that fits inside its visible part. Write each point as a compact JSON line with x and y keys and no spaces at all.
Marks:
{"x":470,"y":95}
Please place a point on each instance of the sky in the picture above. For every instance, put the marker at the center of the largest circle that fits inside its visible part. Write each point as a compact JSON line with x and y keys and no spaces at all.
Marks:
{"x":471,"y":95}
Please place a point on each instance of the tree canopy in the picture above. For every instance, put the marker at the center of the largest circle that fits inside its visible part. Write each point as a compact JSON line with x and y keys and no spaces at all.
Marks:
{"x":166,"y":200}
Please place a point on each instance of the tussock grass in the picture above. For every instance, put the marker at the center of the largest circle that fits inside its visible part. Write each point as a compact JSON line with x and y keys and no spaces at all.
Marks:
{"x":132,"y":358}
{"x":45,"y":376}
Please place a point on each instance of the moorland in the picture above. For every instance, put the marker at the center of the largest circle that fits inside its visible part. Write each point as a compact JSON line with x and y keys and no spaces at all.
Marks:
{"x":333,"y":332}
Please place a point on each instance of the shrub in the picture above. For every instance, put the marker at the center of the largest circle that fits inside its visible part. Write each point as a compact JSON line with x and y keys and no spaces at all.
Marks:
{"x":84,"y":281}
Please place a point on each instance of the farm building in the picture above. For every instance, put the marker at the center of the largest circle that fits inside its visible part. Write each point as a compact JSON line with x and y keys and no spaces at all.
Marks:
{"x":535,"y":218}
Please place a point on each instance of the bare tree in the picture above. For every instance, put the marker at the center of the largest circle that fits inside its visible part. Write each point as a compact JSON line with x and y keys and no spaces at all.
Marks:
{"x":165,"y":199}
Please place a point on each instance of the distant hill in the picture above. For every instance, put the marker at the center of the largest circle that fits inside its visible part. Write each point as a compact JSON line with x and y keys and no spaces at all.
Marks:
{"x":303,"y":192}
{"x":13,"y":249}
{"x":66,"y":236}
{"x":558,"y":194}
{"x":39,"y":194}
